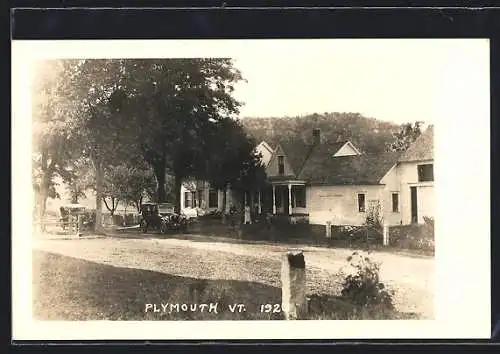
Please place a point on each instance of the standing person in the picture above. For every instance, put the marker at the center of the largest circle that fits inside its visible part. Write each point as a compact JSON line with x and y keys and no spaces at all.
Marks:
{"x":248,"y":219}
{"x":268,"y":220}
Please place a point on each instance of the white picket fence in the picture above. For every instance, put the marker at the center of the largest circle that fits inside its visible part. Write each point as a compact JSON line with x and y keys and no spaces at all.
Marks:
{"x":120,"y":219}
{"x":57,"y":227}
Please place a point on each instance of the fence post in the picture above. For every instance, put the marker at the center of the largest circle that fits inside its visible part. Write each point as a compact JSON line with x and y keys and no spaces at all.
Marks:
{"x":70,"y":224}
{"x":385,"y":234}
{"x":80,"y":225}
{"x":328,"y":229}
{"x":293,"y":286}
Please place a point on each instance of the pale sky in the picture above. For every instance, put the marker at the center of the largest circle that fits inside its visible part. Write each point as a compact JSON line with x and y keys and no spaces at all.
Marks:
{"x":392,"y":80}
{"x":398,"y":80}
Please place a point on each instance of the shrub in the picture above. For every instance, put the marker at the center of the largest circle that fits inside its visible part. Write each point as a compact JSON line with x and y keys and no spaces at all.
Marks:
{"x":374,"y":224}
{"x":414,"y":236}
{"x":363,"y":288}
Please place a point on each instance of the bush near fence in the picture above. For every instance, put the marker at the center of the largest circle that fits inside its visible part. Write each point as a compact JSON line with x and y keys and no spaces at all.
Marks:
{"x":407,"y":237}
{"x":260,"y":230}
{"x":413,"y":237}
{"x":364,"y":236}
{"x":280,"y":230}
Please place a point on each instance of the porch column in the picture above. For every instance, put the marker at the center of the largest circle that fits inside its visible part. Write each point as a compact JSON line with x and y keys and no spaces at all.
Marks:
{"x":274,"y":199}
{"x":259,"y":201}
{"x":289,"y":199}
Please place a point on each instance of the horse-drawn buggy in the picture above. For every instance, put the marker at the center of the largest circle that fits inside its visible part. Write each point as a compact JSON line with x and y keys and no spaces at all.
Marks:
{"x":162,"y":217}
{"x":76,"y":217}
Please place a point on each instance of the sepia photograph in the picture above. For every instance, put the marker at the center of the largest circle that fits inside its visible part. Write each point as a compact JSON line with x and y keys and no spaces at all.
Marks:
{"x":270,"y":181}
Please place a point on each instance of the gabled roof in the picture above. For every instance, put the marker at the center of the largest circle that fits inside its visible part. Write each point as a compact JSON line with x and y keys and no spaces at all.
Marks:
{"x":422,"y":148}
{"x":367,"y":169}
{"x":296,"y":152}
{"x":337,"y":145}
{"x":341,"y":144}
{"x":265,"y":146}
{"x":317,"y":164}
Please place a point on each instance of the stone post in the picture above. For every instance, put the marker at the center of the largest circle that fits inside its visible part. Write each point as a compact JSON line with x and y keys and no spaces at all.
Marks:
{"x":260,"y":203}
{"x":385,"y":234}
{"x":293,"y":286}
{"x":328,"y":229}
{"x":274,"y":199}
{"x":289,"y":199}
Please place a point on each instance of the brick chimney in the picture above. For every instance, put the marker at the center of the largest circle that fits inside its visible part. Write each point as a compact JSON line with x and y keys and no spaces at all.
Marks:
{"x":316,"y":136}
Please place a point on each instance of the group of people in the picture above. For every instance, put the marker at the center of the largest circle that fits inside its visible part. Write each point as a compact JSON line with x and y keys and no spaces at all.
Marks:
{"x":247,"y":217}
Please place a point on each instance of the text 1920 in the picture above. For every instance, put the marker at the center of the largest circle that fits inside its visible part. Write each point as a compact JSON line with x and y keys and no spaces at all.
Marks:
{"x":270,"y":308}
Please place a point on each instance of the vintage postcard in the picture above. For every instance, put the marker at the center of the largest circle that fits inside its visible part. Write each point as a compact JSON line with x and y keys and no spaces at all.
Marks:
{"x":251,"y":189}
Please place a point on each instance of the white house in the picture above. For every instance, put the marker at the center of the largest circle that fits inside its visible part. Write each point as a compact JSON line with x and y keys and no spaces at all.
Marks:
{"x":326,"y":181}
{"x":412,"y":179}
{"x":198,"y":198}
{"x":334,"y":182}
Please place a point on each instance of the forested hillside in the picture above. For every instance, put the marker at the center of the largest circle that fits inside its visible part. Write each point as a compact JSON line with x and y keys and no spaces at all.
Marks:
{"x":368,"y":134}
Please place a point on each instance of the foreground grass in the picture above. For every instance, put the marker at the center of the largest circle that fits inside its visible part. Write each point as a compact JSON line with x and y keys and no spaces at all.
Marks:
{"x":66,"y":288}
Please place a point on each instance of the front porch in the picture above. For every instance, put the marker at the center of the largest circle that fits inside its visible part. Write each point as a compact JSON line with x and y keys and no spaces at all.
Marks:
{"x":283,"y":199}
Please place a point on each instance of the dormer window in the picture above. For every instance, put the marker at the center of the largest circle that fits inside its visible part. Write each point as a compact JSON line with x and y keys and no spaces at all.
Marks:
{"x":281,"y":165}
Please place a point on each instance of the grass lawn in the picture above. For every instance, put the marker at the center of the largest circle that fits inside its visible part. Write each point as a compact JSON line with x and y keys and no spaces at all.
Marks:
{"x":67,"y":288}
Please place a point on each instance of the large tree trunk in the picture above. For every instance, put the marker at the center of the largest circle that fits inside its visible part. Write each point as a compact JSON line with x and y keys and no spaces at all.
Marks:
{"x":99,"y":175}
{"x":42,"y":205}
{"x":177,"y":192}
{"x":47,"y":172}
{"x":159,"y":171}
{"x":74,"y":197}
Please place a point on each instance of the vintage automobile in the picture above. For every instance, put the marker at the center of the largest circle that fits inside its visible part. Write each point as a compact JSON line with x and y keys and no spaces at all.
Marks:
{"x":161,"y":217}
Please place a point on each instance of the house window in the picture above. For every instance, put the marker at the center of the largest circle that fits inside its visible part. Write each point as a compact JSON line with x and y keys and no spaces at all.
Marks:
{"x":200,"y":197}
{"x":213,"y":200}
{"x":299,"y":197}
{"x":361,"y":202}
{"x":425,"y":173}
{"x":281,"y":165}
{"x":395,"y":202}
{"x":187,"y":199}
{"x":193,"y":198}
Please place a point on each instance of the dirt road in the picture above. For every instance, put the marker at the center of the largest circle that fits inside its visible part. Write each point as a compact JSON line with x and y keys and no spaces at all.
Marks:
{"x":196,"y":256}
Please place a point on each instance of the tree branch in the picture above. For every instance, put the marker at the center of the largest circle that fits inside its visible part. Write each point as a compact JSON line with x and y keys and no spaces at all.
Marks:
{"x":106,"y":204}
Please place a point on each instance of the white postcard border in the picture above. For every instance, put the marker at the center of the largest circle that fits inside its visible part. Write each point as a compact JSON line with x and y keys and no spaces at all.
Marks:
{"x":462,"y":206}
